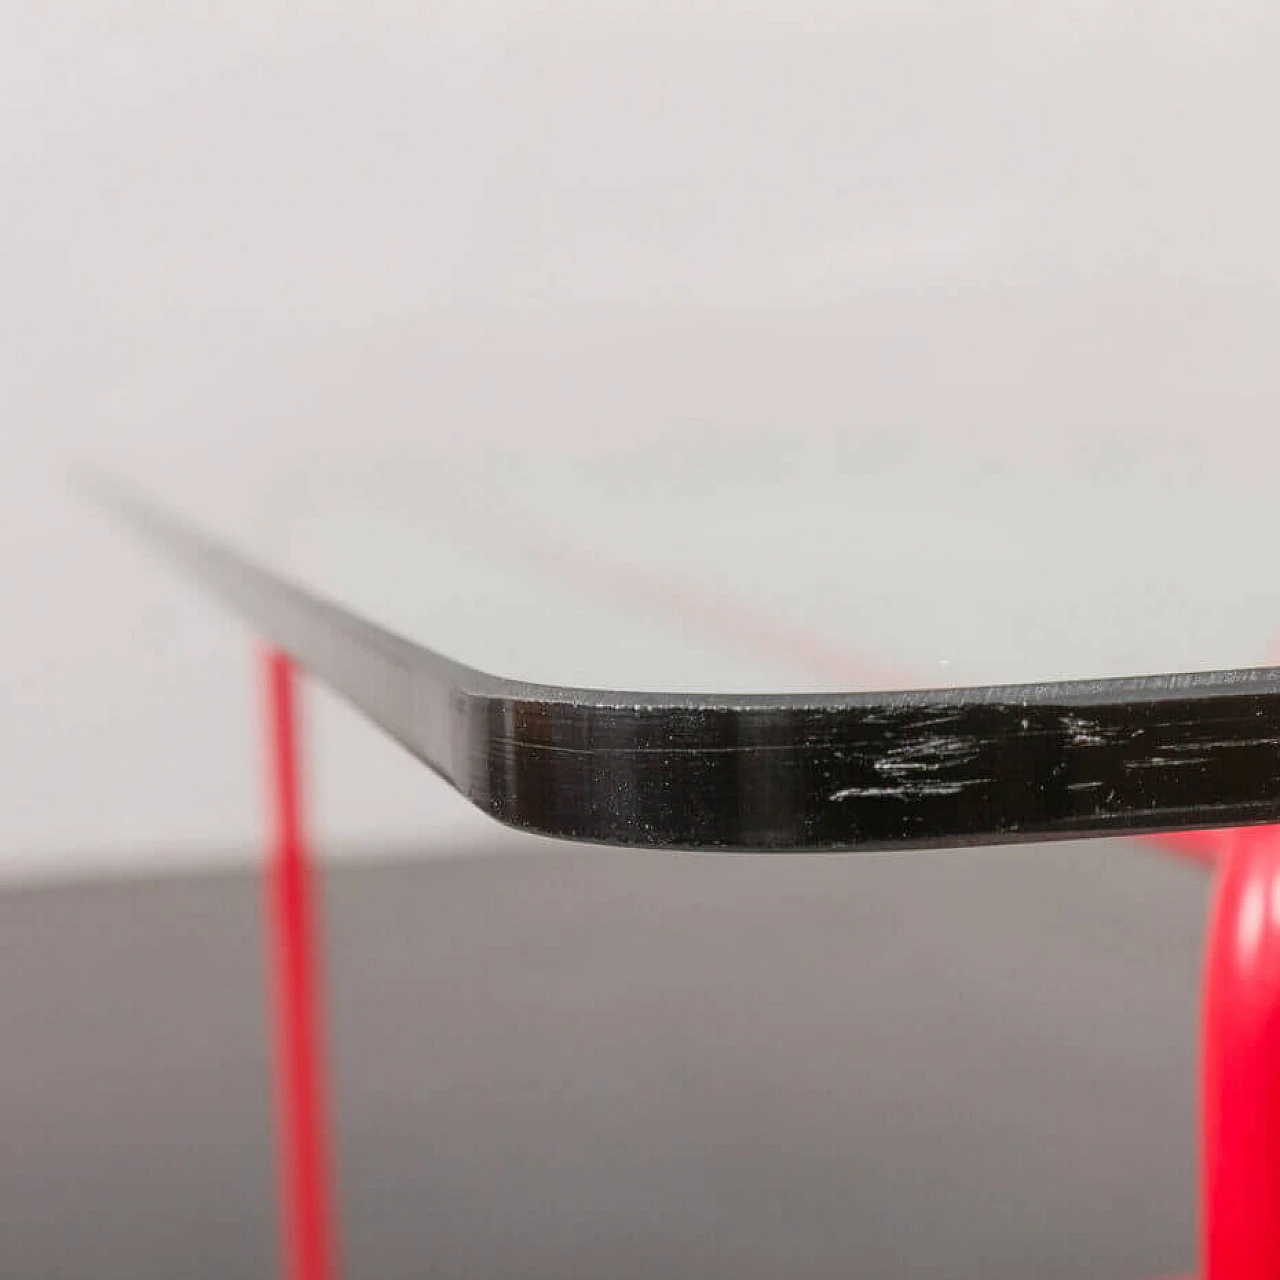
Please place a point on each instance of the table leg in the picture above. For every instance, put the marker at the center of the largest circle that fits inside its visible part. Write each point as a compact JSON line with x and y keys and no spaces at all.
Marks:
{"x":293,"y":967}
{"x":1240,"y":1080}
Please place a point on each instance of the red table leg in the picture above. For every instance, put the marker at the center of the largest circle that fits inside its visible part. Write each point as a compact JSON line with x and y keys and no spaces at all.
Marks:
{"x":293,"y":955}
{"x":1241,"y":1062}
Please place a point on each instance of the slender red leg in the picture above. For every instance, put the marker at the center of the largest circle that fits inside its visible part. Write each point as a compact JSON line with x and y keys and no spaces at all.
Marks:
{"x":293,"y":959}
{"x":1241,"y":1062}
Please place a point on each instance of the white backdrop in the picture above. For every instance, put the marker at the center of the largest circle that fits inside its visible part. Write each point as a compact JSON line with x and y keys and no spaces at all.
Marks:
{"x":731,"y":298}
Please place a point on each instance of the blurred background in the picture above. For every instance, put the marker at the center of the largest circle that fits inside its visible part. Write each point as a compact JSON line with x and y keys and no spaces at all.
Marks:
{"x":725,"y":347}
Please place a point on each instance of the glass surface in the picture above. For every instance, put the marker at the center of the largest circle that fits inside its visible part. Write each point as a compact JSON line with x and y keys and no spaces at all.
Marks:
{"x":825,"y":552}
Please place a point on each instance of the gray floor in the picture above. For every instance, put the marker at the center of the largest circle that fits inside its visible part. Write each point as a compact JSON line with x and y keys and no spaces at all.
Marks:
{"x":584,"y":1065}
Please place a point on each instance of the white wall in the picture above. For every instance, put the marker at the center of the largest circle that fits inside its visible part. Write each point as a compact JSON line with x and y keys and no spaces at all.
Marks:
{"x":725,"y":295}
